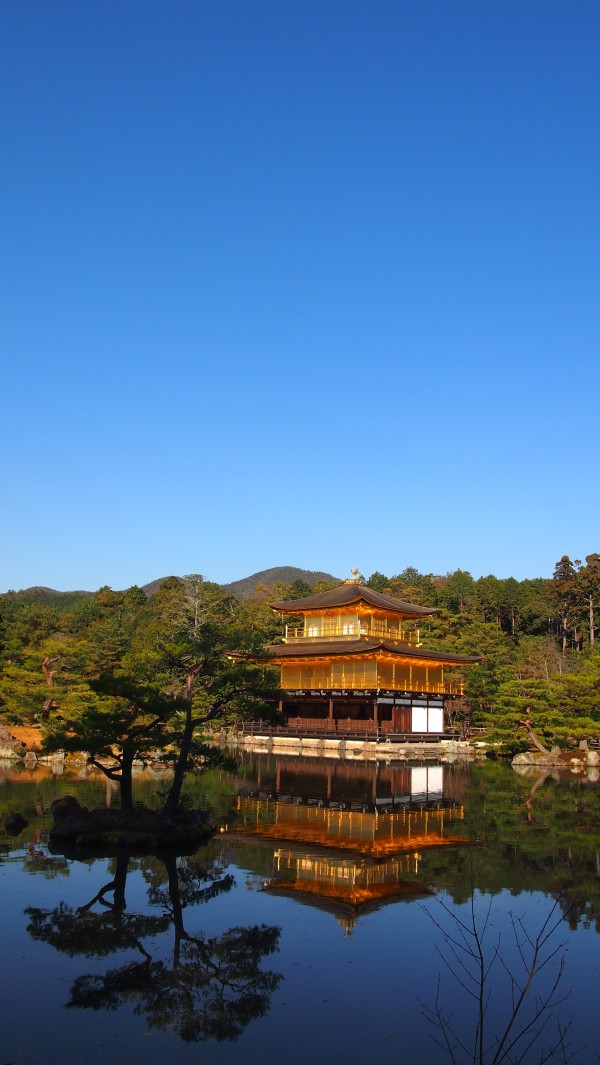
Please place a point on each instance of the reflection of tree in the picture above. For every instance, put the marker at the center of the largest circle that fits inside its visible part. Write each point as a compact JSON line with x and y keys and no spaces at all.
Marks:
{"x":89,"y":933}
{"x":531,"y":966}
{"x":213,"y":990}
{"x":213,"y":986}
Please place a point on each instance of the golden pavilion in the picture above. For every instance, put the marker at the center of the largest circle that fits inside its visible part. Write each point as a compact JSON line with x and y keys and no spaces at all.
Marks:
{"x":352,"y":664}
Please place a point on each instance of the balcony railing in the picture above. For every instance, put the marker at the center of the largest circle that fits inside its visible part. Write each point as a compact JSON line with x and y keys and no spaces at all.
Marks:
{"x":319,"y":728}
{"x":294,"y":634}
{"x":360,"y":682}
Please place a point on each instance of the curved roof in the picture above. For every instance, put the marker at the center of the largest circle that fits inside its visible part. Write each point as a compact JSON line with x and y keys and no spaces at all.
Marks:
{"x":346,"y":595}
{"x":318,"y":648}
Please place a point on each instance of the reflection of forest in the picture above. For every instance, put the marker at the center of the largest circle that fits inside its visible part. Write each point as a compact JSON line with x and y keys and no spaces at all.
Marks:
{"x":201,"y":987}
{"x":528,"y":838}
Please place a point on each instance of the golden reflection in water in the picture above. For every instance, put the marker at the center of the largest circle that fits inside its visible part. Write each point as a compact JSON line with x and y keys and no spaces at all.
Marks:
{"x":366,"y":833}
{"x":380,"y":853}
{"x":354,"y":882}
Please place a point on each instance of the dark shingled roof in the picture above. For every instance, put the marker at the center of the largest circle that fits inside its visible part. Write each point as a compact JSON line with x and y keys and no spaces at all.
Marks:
{"x":346,"y":595}
{"x":362,"y":647}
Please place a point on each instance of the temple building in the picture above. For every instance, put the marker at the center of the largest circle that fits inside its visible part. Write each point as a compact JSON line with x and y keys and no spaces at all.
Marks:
{"x":352,"y":664}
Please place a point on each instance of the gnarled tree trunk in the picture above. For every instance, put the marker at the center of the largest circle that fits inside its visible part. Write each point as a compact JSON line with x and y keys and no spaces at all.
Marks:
{"x":533,"y":738}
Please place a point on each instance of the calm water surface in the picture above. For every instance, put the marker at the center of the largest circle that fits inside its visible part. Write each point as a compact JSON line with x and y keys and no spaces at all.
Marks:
{"x":312,"y":925}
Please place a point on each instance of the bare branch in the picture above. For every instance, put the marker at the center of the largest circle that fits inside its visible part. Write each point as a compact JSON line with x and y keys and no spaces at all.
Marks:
{"x":470,"y":961}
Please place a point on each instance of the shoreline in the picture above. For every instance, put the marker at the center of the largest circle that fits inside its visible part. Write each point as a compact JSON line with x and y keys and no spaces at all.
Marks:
{"x":353,"y":750}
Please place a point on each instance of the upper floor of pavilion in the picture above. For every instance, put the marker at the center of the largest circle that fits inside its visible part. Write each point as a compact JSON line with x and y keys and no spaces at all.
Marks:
{"x":352,"y":611}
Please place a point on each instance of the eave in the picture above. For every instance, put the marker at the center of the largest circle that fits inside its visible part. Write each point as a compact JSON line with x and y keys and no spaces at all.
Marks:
{"x":281,"y":652}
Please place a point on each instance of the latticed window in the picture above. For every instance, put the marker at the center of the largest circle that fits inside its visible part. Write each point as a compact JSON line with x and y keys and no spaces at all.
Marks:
{"x":354,"y":674}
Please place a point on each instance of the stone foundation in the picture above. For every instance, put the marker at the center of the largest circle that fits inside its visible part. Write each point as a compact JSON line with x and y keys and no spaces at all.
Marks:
{"x":444,"y":751}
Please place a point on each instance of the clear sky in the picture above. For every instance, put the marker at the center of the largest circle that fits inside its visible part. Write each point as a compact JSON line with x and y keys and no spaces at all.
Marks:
{"x":298,"y":282}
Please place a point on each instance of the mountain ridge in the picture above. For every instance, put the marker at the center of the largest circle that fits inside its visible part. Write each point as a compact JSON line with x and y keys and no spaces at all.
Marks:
{"x":242,"y":588}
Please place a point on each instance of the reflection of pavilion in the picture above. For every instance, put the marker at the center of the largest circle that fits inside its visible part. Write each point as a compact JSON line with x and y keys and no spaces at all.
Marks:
{"x":348,"y":854}
{"x":354,"y":882}
{"x":371,"y":834}
{"x":342,"y":885}
{"x":355,"y":785}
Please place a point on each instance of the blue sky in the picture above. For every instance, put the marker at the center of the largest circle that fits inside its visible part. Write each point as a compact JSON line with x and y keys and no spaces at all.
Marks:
{"x":298,"y":283}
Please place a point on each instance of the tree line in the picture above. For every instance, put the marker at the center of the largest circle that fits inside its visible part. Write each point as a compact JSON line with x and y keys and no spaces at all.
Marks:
{"x":537,"y":639}
{"x":121,"y":674}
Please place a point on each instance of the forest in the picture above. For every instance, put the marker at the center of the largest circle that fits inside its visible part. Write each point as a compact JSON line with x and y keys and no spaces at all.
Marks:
{"x":143,"y":668}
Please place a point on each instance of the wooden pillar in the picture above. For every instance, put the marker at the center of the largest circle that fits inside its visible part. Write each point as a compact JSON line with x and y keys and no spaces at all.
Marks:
{"x":330,"y":710}
{"x":375,"y":711}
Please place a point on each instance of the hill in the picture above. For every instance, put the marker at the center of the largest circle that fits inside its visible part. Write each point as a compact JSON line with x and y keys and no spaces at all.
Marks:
{"x":246,"y":587}
{"x":61,"y":601}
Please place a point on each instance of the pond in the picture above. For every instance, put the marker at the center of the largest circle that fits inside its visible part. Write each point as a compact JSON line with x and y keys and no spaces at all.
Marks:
{"x":337,"y":912}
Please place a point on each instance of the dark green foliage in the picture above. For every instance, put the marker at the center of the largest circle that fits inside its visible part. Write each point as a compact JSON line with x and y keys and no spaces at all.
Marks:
{"x":60,"y":601}
{"x":378,"y":582}
{"x":123,"y":676}
{"x":536,"y":639}
{"x":299,"y":589}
